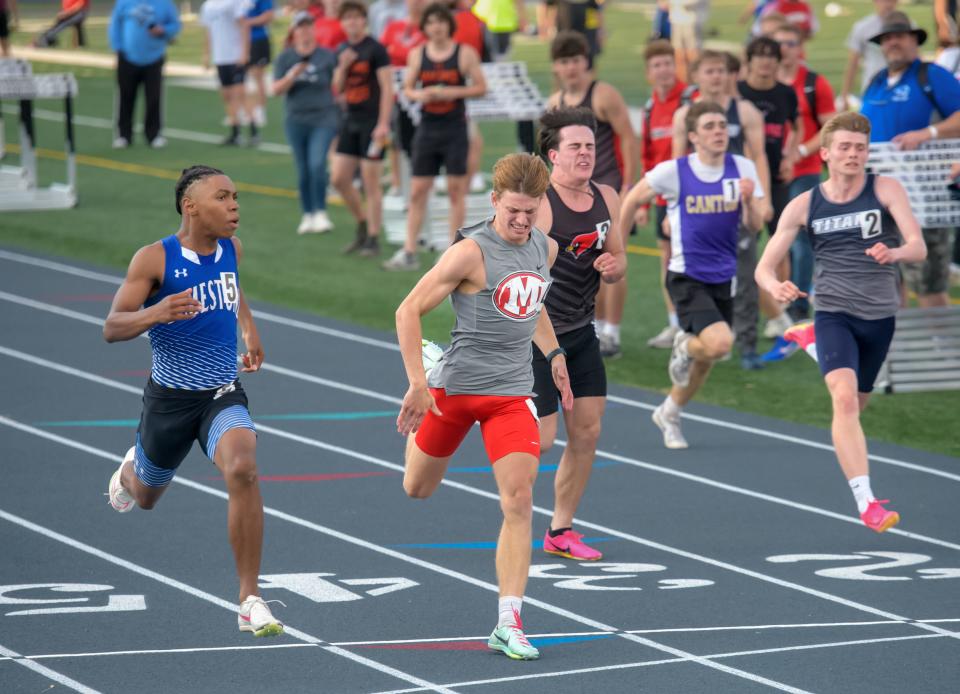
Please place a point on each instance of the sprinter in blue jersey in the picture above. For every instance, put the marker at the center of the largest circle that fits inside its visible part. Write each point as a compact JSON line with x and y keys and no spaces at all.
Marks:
{"x":709,"y":194}
{"x":860,"y":225}
{"x":184,"y":291}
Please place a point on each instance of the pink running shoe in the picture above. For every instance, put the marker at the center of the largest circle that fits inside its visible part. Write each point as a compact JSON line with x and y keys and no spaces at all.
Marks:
{"x":803,"y":334}
{"x":569,"y":545}
{"x":876,"y":517}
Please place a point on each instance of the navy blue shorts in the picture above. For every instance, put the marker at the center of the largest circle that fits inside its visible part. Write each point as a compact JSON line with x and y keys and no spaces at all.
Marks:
{"x":588,"y":375}
{"x":846,"y":342}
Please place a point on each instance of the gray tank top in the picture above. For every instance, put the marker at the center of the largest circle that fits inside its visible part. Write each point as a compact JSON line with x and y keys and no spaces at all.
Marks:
{"x":490,"y":352}
{"x":847,"y":280}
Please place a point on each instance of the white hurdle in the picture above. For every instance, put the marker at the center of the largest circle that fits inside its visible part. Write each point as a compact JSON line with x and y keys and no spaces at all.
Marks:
{"x":19,"y":189}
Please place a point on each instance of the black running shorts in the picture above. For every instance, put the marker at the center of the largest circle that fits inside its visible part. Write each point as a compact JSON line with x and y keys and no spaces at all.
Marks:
{"x":172,"y":419}
{"x":700,"y":304}
{"x":588,"y":377}
{"x":435,"y":147}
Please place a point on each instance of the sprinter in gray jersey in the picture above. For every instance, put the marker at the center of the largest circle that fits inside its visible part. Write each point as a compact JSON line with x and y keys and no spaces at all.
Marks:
{"x":497,"y":277}
{"x":855,"y":222}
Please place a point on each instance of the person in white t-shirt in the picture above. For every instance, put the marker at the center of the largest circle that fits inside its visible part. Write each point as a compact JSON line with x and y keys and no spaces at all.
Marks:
{"x":863,"y":51}
{"x":228,"y":48}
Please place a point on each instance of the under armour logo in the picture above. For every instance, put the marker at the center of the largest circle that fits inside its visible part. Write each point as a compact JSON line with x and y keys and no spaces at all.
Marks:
{"x":176,"y":273}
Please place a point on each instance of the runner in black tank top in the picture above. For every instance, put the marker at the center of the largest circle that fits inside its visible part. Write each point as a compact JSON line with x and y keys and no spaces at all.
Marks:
{"x":583,"y":218}
{"x":608,"y":167}
{"x":581,"y":236}
{"x":440,"y":77}
{"x":445,"y":73}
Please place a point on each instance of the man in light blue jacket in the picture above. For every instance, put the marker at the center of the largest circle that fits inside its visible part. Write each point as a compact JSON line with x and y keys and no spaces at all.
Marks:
{"x":139,"y":32}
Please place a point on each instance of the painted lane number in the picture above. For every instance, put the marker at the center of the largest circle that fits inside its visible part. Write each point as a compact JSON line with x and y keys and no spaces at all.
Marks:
{"x":611,"y":572}
{"x":864,"y":572}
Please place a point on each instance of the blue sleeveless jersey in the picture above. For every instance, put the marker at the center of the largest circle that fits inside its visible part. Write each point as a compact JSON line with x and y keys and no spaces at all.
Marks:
{"x":201,"y":352}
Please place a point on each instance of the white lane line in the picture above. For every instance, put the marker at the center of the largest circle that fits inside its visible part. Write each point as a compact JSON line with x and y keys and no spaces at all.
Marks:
{"x":39,"y":361}
{"x":476,"y":492}
{"x":46,"y":672}
{"x":203,"y":595}
{"x":670,"y":661}
{"x":176,"y":651}
{"x":416,"y":562}
{"x":383,"y":344}
{"x":169,"y":133}
{"x":260,"y":315}
{"x":481,"y":637}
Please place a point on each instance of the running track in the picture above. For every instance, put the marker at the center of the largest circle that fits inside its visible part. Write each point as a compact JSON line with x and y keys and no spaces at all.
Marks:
{"x":735,"y":566}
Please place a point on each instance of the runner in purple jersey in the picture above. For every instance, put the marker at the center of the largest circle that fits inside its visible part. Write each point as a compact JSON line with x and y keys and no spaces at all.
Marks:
{"x":708,"y":193}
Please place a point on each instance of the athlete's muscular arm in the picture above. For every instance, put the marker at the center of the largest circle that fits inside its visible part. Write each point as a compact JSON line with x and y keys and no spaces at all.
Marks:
{"x":460,"y":267}
{"x":253,"y":357}
{"x":753,"y":208}
{"x":891,"y":194}
{"x":546,"y":341}
{"x":681,"y":143}
{"x":385,"y":78}
{"x":794,"y":216}
{"x":410,"y":78}
{"x":612,"y":263}
{"x":754,"y":149}
{"x":639,"y":195}
{"x":609,"y":105}
{"x":471,"y":68}
{"x":127,"y":318}
{"x":347,"y":57}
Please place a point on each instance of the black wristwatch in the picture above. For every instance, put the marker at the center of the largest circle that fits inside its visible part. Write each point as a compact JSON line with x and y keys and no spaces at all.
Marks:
{"x":558,"y":351}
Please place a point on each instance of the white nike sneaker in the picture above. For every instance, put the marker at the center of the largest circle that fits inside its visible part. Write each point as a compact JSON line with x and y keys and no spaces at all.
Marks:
{"x":119,"y":497}
{"x":255,"y":616}
{"x":680,"y":360}
{"x":306,"y":224}
{"x":672,"y":436}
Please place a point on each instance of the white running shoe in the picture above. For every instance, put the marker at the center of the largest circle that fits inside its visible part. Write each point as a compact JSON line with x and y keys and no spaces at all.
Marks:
{"x":401,"y":261}
{"x":306,"y":224}
{"x":121,"y":143}
{"x":119,"y":497}
{"x":776,"y":327}
{"x":672,"y":436}
{"x":255,"y":616}
{"x":159,"y":142}
{"x":321,"y":222}
{"x":680,"y":360}
{"x":664,"y":338}
{"x":477,"y":184}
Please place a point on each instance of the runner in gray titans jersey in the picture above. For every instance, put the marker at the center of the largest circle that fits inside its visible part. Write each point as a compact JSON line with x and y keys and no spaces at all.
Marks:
{"x":855,"y":222}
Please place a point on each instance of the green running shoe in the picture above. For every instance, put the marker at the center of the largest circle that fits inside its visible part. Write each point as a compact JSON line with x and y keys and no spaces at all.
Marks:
{"x":510,"y":641}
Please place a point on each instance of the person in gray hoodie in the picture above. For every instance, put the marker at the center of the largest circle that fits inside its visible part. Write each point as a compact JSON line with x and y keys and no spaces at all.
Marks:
{"x":139,"y":32}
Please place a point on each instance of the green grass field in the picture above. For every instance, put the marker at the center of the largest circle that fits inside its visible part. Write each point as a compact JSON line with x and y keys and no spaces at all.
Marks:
{"x":127,"y":201}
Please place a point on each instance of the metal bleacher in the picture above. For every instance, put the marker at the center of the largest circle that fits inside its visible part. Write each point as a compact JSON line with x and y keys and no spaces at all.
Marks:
{"x":925,"y":353}
{"x":511,"y":96}
{"x":19,"y":187}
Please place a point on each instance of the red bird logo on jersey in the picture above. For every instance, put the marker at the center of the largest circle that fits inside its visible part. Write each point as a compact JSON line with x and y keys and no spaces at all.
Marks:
{"x":581,"y":243}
